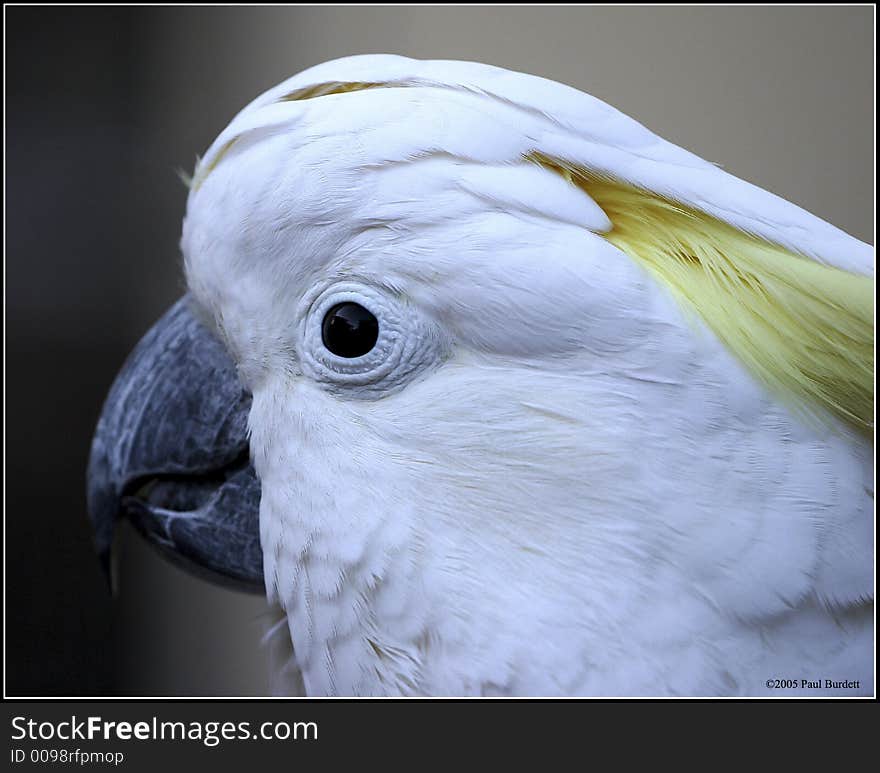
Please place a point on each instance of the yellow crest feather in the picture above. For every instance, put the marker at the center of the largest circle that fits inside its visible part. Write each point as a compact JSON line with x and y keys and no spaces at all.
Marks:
{"x":804,"y":329}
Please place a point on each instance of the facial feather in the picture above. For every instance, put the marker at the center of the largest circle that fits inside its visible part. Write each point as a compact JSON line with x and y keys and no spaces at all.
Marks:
{"x":543,"y":448}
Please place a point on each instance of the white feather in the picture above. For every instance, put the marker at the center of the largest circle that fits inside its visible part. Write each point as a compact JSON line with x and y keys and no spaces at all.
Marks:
{"x":544,"y":480}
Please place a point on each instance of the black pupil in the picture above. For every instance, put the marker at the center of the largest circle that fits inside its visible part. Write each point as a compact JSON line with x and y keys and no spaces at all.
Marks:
{"x":349,"y":330}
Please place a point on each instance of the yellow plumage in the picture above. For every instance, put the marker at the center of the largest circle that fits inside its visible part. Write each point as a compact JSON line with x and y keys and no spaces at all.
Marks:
{"x":803,"y":328}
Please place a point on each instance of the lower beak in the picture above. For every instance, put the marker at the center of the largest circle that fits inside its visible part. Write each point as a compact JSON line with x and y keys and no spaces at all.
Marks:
{"x":170,"y":453}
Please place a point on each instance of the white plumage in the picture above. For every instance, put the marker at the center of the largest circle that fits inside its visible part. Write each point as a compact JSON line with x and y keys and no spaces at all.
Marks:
{"x":545,"y":478}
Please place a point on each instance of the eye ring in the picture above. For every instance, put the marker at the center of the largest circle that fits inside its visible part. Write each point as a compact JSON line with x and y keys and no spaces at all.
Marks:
{"x":405,"y":343}
{"x":349,"y":330}
{"x":323,"y":363}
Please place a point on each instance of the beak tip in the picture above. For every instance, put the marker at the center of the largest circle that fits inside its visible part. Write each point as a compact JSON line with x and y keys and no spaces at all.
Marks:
{"x":105,"y":557}
{"x":102,"y":504}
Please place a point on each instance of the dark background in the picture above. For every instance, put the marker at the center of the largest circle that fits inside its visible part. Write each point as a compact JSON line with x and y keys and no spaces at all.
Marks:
{"x":104,"y":105}
{"x":93,"y":219}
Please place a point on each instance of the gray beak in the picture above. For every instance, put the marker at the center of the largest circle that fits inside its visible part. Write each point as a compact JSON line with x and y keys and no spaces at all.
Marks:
{"x":170,"y":453}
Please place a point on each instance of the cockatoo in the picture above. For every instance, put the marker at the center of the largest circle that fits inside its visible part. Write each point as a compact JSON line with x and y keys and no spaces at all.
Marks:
{"x":495,"y":392}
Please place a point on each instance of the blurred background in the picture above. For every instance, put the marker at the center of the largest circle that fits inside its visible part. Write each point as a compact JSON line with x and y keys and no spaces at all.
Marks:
{"x":104,"y":105}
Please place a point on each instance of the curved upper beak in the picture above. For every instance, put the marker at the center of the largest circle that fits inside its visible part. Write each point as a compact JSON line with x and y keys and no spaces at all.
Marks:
{"x":170,"y":453}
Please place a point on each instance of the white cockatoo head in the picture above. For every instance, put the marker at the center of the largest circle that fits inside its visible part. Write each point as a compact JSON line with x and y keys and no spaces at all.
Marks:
{"x":541,"y":403}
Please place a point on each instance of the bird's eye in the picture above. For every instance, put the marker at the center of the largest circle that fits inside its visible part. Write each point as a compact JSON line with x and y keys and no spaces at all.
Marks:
{"x":362,"y":341}
{"x":349,"y":330}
